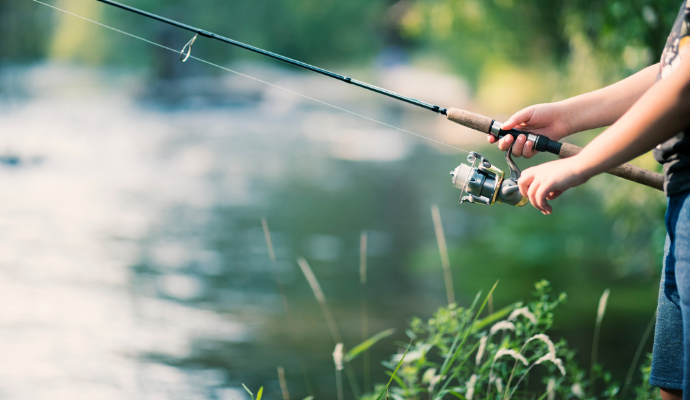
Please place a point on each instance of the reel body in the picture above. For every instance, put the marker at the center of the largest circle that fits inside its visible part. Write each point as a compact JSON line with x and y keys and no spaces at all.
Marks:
{"x":483,"y":183}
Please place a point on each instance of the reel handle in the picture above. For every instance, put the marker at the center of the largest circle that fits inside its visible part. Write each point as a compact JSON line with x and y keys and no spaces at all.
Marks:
{"x":542,"y":143}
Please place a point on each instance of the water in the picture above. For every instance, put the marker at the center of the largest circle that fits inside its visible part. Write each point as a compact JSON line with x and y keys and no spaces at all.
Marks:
{"x":134,"y":264}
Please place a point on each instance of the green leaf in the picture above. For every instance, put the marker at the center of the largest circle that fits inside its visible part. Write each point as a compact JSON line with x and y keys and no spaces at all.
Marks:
{"x":394,"y":372}
{"x":248,"y":391}
{"x":494,"y":317}
{"x":308,"y":398}
{"x":364,"y":346}
{"x":456,"y":394}
{"x":261,"y":392}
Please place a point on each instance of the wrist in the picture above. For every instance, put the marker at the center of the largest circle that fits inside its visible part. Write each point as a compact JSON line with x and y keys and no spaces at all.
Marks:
{"x":565,"y":112}
{"x":583,"y":166}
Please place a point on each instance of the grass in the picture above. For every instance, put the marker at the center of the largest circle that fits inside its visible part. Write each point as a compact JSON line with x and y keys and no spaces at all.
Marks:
{"x":435,"y":362}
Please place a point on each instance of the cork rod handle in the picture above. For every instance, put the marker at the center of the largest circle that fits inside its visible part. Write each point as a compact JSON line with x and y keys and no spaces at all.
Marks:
{"x":469,"y":119}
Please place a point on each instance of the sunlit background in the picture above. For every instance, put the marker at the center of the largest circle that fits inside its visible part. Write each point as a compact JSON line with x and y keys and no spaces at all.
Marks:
{"x":133,"y":261}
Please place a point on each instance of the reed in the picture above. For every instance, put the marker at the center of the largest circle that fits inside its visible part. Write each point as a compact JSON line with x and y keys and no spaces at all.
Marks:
{"x":595,"y":342}
{"x":548,"y":357}
{"x":443,"y":250}
{"x":364,"y":307}
{"x":286,"y":305}
{"x":330,"y":321}
{"x":320,"y":298}
{"x":541,"y":337}
{"x":500,"y":353}
{"x":550,"y":393}
{"x":283,"y":384}
{"x":638,"y":353}
{"x":470,"y":387}
{"x":338,"y":361}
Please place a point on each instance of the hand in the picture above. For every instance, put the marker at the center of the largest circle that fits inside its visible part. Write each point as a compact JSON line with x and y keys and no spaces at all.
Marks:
{"x":549,"y":120}
{"x":548,"y":181}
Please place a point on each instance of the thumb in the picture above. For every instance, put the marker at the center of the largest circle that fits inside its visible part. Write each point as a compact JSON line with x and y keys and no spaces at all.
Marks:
{"x":521,"y":117}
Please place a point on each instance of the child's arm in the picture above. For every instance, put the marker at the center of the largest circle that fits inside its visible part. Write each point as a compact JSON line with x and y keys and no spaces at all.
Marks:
{"x":662,"y":112}
{"x":588,"y":111}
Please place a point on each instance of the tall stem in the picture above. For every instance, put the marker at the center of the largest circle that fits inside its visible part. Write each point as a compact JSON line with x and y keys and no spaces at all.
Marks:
{"x":443,"y":250}
{"x":330,"y":321}
{"x":595,"y":342}
{"x":365,"y":311}
{"x":286,"y":305}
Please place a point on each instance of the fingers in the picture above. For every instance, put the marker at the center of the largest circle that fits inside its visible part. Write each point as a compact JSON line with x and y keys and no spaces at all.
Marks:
{"x":491,"y":139}
{"x":525,"y":181}
{"x":540,"y":199}
{"x":536,"y":191}
{"x":528,"y":150}
{"x":521,"y":117}
{"x":519,"y":145}
{"x":554,"y":195}
{"x":505,"y":142}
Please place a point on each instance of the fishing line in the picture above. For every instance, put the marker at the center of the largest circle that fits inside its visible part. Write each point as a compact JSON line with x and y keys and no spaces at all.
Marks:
{"x":250,"y":77}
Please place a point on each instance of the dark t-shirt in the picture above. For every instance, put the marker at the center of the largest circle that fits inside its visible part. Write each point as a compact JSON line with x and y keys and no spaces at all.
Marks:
{"x":674,"y":154}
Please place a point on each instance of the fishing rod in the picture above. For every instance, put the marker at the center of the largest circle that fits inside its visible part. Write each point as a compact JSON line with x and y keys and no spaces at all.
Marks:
{"x":484,"y":184}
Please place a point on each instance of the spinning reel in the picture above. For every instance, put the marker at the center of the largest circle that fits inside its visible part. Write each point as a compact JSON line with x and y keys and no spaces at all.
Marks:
{"x":486,"y":184}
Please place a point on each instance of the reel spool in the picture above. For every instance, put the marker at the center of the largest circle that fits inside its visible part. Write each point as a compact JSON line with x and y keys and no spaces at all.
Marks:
{"x":486,"y":184}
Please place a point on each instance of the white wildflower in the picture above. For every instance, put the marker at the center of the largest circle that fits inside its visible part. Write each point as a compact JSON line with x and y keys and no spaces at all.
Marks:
{"x":502,"y":326}
{"x":482,"y":347}
{"x":551,"y":393}
{"x":431,"y":378}
{"x":498,"y":381}
{"x":428,"y":375}
{"x":413,"y":355}
{"x":470,"y":387}
{"x":512,"y":353}
{"x":602,"y":305}
{"x":338,"y":356}
{"x":556,"y":361}
{"x":525,"y":312}
{"x":545,"y":339}
{"x":577,"y":390}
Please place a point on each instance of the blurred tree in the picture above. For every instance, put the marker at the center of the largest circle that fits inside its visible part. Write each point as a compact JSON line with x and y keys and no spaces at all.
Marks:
{"x":473,"y":33}
{"x":24,"y":30}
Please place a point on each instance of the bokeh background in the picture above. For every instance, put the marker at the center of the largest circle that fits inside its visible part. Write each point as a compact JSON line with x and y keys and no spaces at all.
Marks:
{"x":133,"y":263}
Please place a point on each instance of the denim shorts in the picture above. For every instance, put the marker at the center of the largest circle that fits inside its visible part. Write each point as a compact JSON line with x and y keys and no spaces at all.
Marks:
{"x":671,"y":358}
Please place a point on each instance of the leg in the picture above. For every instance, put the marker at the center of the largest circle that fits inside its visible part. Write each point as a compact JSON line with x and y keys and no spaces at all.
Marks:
{"x":671,"y":394}
{"x":678,"y":224}
{"x":667,"y":360}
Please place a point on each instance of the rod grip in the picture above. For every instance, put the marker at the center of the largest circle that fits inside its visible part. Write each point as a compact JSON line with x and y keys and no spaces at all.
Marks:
{"x":469,"y":119}
{"x":626,"y":171}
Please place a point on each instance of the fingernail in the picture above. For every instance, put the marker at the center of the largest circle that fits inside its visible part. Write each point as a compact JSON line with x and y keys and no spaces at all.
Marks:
{"x":521,"y":138}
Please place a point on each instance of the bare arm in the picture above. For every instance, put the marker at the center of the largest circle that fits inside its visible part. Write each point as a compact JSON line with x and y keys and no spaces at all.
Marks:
{"x":660,"y":113}
{"x":605,"y":106}
{"x":587,"y":111}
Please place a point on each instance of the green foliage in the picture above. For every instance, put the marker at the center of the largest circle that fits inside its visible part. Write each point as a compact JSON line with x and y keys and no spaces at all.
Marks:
{"x":395,"y":371}
{"x":437,"y":366}
{"x":646,"y":391}
{"x":625,"y":34}
{"x":365,"y":345}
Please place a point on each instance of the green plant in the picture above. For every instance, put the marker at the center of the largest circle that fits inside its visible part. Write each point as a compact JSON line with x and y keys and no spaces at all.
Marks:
{"x":457,"y":354}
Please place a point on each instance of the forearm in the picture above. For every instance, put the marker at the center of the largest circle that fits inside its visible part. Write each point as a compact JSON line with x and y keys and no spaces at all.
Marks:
{"x":662,"y":112}
{"x":605,"y":106}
